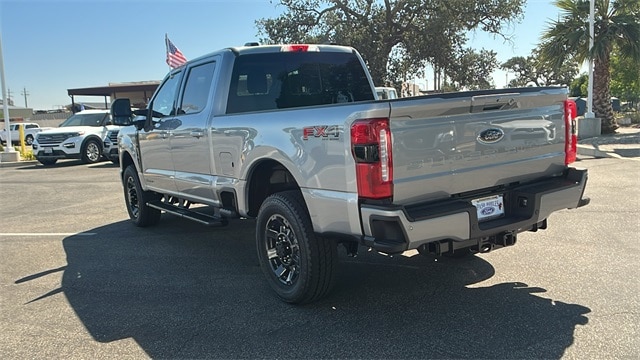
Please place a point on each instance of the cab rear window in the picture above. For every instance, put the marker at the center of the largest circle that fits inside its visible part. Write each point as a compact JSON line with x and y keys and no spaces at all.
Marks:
{"x":296,"y":79}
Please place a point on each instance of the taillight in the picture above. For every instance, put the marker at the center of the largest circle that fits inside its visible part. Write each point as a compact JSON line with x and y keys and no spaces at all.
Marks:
{"x":571,"y":135}
{"x":371,"y":149}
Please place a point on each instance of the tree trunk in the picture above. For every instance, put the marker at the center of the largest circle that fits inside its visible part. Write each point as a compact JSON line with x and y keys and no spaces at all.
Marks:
{"x":376,"y":59}
{"x":601,"y":96}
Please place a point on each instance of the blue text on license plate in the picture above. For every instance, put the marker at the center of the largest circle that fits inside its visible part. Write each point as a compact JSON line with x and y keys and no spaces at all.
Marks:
{"x":490,"y":207}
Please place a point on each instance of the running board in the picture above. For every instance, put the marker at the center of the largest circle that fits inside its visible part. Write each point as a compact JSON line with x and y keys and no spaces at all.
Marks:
{"x":188,"y":214}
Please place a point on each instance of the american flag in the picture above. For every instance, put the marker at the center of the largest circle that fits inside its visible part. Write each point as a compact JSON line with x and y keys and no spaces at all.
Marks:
{"x":175,"y":58}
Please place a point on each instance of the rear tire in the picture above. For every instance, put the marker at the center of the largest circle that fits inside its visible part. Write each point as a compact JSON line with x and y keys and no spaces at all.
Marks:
{"x":136,"y":200}
{"x":300,"y":266}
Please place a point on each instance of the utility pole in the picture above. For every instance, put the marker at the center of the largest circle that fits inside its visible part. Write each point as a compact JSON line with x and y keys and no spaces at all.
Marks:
{"x":9,"y":99}
{"x":25,"y":94}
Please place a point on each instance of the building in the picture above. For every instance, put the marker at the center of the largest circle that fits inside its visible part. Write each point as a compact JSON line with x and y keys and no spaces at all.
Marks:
{"x":16,"y":113}
{"x":138,"y":92}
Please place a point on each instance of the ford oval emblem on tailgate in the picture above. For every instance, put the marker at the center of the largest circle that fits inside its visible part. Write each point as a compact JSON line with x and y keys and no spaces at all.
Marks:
{"x":490,"y":136}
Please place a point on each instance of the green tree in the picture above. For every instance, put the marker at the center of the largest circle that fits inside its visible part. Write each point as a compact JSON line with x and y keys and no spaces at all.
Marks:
{"x":427,"y":31}
{"x":617,"y":25}
{"x":533,"y":69}
{"x":625,"y":78}
{"x":473,"y":69}
{"x":522,"y":67}
{"x":579,"y":86}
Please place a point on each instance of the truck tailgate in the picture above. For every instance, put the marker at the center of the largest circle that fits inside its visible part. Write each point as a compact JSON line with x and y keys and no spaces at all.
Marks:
{"x":449,"y":144}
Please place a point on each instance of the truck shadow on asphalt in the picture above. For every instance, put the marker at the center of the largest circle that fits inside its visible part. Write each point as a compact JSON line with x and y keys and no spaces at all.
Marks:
{"x":182,"y":290}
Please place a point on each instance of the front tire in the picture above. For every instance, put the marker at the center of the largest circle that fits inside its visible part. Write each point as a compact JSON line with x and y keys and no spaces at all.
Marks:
{"x":136,"y":200}
{"x":28,"y":140}
{"x":91,"y":152}
{"x":300,"y":266}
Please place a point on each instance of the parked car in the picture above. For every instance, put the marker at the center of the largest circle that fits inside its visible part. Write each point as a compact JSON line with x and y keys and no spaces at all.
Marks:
{"x":30,"y":131}
{"x":84,"y":135}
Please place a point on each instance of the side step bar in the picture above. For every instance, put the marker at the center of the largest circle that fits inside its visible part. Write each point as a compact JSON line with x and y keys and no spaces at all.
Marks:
{"x":188,"y":214}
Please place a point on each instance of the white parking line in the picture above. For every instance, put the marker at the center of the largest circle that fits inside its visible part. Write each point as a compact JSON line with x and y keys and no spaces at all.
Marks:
{"x":48,"y":234}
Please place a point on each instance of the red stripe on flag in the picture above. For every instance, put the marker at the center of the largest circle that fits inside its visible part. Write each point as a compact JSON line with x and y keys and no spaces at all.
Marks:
{"x":175,"y":57}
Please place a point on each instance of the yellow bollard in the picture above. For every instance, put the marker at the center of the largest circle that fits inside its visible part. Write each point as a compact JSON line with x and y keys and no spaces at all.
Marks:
{"x":23,"y":149}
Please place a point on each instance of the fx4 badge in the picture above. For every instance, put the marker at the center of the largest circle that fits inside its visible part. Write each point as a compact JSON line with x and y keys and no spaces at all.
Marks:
{"x":331,"y":132}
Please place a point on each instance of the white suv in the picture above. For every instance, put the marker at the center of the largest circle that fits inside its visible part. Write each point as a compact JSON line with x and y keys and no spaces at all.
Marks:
{"x":82,"y":136}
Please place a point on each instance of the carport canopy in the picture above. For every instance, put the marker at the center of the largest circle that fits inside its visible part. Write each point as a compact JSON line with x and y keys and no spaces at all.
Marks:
{"x":138,"y":92}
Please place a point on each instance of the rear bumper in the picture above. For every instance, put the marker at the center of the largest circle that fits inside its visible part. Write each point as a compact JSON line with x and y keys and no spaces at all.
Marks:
{"x":394,"y":229}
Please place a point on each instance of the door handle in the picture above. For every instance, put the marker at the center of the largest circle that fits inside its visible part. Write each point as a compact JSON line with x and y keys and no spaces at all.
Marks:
{"x":197,"y":134}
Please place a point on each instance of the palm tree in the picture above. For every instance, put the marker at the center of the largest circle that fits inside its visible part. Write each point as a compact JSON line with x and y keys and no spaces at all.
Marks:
{"x":616,"y":26}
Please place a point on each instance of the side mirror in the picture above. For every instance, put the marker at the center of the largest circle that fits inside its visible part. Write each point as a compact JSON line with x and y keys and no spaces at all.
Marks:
{"x":121,"y":108}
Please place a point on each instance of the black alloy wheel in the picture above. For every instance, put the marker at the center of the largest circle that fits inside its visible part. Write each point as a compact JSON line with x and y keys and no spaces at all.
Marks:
{"x":300,"y":266}
{"x":136,"y":200}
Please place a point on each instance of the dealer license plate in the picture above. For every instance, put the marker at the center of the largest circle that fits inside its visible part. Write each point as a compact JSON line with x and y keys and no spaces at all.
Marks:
{"x":489,"y":207}
{"x":48,"y":150}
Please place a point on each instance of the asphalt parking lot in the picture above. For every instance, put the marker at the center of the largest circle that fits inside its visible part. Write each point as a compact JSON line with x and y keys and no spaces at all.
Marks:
{"x":80,"y":282}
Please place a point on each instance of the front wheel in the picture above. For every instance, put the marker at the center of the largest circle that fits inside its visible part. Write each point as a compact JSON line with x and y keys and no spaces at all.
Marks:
{"x":28,"y":139}
{"x":136,"y":200}
{"x":299,"y":265}
{"x":91,"y":152}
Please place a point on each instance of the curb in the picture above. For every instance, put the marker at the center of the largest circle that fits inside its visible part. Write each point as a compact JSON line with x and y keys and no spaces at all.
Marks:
{"x":590,"y":150}
{"x":11,"y":164}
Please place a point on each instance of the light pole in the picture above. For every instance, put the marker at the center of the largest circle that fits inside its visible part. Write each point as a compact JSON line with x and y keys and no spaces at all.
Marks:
{"x":589,"y":113}
{"x":5,"y":102}
{"x":506,"y":79}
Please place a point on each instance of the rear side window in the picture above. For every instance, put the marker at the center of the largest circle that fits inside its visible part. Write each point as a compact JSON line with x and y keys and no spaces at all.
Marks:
{"x":196,"y":91}
{"x":296,"y":79}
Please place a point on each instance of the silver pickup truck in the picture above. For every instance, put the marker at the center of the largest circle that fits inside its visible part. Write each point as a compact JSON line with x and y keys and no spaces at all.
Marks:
{"x":292,"y":135}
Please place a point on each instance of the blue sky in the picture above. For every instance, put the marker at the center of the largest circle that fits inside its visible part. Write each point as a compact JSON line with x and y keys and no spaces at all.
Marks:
{"x":51,"y":46}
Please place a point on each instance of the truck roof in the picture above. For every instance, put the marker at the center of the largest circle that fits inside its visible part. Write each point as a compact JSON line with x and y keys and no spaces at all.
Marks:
{"x":262,"y":49}
{"x":259,"y":49}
